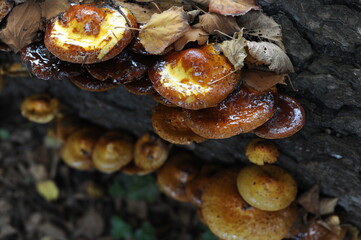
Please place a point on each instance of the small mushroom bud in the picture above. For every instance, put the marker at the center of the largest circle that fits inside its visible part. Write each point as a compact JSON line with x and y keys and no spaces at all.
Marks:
{"x":169,"y":124}
{"x":78,"y":149}
{"x":230,"y":217}
{"x":260,"y":151}
{"x":194,"y":78}
{"x":288,"y":119}
{"x":268,"y":187}
{"x":173,"y":177}
{"x":40,"y":108}
{"x":112,"y":151}
{"x":241,"y":112}
{"x":151,"y":152}
{"x":86,"y":82}
{"x":88,"y":33}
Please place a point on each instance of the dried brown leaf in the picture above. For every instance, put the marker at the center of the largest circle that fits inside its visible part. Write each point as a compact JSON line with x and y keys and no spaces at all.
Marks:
{"x":5,"y":8}
{"x":52,"y":8}
{"x":167,"y":4}
{"x":22,"y":25}
{"x":91,"y":225}
{"x":261,"y":80}
{"x":235,"y":50}
{"x":328,"y":205}
{"x":257,"y":24}
{"x":141,"y":14}
{"x":164,"y":29}
{"x":192,"y":15}
{"x":232,"y":7}
{"x":194,"y":34}
{"x":212,"y":23}
{"x":202,"y":2}
{"x":310,"y":200}
{"x":271,"y":55}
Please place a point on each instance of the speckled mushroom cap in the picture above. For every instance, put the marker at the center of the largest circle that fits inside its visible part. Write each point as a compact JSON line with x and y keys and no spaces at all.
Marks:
{"x":89,"y":33}
{"x":194,"y":78}
{"x":112,"y":151}
{"x":267,"y":187}
{"x":231,"y":218}
{"x":40,"y":108}
{"x":173,"y":177}
{"x":260,"y":151}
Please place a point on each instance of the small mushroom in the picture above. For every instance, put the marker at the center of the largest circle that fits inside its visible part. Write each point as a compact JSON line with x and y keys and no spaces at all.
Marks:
{"x":260,"y":151}
{"x":151,"y":152}
{"x":66,"y":125}
{"x":230,"y":217}
{"x":268,"y":187}
{"x":40,"y":108}
{"x":86,"y":82}
{"x":89,"y":33}
{"x":113,"y":151}
{"x":194,"y":78}
{"x":174,"y":176}
{"x":169,"y":124}
{"x":132,"y":169}
{"x":241,"y":112}
{"x":140,"y":87}
{"x":77,"y":151}
{"x":288,"y":119}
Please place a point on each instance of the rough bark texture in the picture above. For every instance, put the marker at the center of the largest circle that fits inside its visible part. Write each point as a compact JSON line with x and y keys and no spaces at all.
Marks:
{"x":323,"y":38}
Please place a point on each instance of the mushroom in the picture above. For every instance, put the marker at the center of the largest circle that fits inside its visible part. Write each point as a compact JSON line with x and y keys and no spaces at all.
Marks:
{"x":260,"y":151}
{"x":89,"y":33}
{"x":132,"y":169}
{"x":78,"y":149}
{"x":173,"y":177}
{"x":151,"y":152}
{"x":194,"y":78}
{"x":66,"y":125}
{"x":40,"y":108}
{"x":241,"y":112}
{"x":169,"y":124}
{"x":230,"y":217}
{"x":140,"y":87}
{"x":268,"y":187}
{"x":288,"y":119}
{"x":86,"y":82}
{"x":159,"y":99}
{"x":113,"y":151}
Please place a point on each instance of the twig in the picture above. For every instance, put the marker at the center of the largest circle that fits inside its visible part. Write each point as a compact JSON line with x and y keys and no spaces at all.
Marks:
{"x":219,"y":79}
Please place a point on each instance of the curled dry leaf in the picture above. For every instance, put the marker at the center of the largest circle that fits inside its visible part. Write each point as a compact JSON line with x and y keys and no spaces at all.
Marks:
{"x":272,"y":55}
{"x":212,"y":23}
{"x":166,"y":4}
{"x":141,"y":14}
{"x":202,"y":2}
{"x":310,"y":200}
{"x":192,"y":15}
{"x":235,"y":50}
{"x":22,"y":25}
{"x":257,"y":24}
{"x":164,"y":29}
{"x":232,"y":7}
{"x":328,"y":205}
{"x":261,"y":80}
{"x":194,"y":34}
{"x":51,"y":8}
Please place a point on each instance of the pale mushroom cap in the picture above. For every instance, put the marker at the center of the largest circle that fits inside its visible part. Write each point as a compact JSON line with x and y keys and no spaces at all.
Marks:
{"x":261,"y":151}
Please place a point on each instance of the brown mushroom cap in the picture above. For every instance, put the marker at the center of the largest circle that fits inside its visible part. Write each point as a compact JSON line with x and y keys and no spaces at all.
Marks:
{"x":66,"y":125}
{"x":241,"y":112}
{"x":40,"y":108}
{"x":112,"y":151}
{"x":78,"y":149}
{"x":194,"y":78}
{"x":173,"y":177}
{"x":260,"y":151}
{"x":159,"y":99}
{"x":269,"y":188}
{"x":288,"y":119}
{"x":132,"y":169}
{"x":230,"y":217}
{"x":140,"y":87}
{"x":169,"y":124}
{"x":150,"y":152}
{"x":88,"y":33}
{"x":86,"y":82}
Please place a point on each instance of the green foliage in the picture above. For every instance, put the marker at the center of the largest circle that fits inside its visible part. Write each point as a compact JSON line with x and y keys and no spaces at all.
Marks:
{"x":4,"y":134}
{"x":120,"y":229}
{"x":208,"y":235}
{"x":145,"y":232}
{"x":135,"y":188}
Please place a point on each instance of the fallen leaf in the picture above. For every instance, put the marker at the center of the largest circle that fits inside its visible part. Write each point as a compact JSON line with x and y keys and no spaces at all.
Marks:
{"x":235,"y":50}
{"x":167,"y":4}
{"x":194,"y":34}
{"x":272,"y":55}
{"x":192,"y":15}
{"x":48,"y":190}
{"x":259,"y":25}
{"x":141,"y":14}
{"x":202,"y":2}
{"x":91,"y":225}
{"x":22,"y":25}
{"x":232,"y":7}
{"x":310,"y":200}
{"x":164,"y":29}
{"x":328,"y":205}
{"x":52,"y":8}
{"x":261,"y":80}
{"x":212,"y":23}
{"x":50,"y":230}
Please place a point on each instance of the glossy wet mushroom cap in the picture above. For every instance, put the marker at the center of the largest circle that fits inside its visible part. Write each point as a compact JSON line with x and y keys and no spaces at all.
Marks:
{"x":159,"y":99}
{"x":169,"y":124}
{"x":241,"y":112}
{"x":260,"y":151}
{"x":88,"y":83}
{"x":77,"y":151}
{"x":230,"y":217}
{"x":194,"y":78}
{"x":140,"y":87}
{"x":288,"y":119}
{"x":40,"y":108}
{"x":113,"y":151}
{"x":89,"y":33}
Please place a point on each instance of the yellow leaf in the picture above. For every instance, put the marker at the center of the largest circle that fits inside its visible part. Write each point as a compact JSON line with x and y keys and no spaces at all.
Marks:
{"x":48,"y":190}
